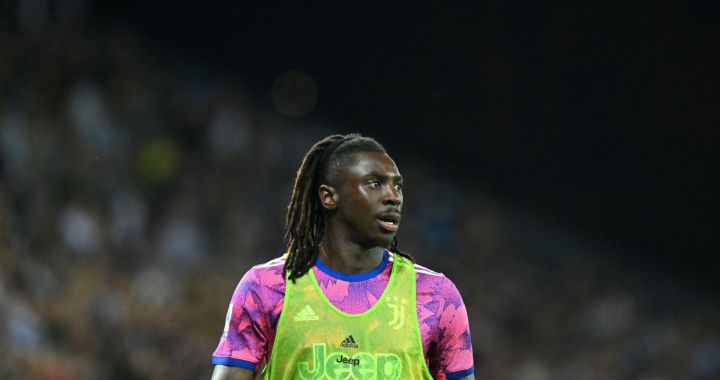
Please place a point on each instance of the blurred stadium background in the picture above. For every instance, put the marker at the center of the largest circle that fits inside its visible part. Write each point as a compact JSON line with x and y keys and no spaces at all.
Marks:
{"x":560,"y":164}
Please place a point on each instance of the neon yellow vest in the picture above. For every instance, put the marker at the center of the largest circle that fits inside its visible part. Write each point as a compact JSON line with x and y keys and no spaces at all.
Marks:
{"x":315,"y":340}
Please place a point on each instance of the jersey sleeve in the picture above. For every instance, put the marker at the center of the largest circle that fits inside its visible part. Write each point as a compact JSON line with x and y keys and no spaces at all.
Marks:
{"x":454,"y":345}
{"x":248,"y":324}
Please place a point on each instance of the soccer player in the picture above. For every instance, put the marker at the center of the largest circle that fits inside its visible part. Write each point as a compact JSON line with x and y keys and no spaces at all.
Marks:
{"x":345,"y":302}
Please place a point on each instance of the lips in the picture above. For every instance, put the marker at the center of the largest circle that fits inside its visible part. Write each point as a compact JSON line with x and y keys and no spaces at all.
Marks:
{"x":389,"y":221}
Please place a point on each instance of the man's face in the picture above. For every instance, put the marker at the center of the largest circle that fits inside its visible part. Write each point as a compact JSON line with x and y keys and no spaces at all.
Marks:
{"x":370,"y":199}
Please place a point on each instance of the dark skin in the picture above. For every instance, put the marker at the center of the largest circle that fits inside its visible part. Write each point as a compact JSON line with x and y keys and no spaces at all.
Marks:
{"x":362,"y":208}
{"x":355,"y":235}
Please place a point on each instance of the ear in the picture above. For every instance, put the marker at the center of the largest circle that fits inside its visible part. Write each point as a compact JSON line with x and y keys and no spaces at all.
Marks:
{"x":328,"y":197}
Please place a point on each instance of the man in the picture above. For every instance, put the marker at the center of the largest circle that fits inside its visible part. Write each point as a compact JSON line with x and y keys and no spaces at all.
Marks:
{"x":345,"y":302}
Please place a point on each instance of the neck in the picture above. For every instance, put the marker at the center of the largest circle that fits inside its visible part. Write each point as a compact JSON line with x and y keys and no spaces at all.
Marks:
{"x":346,"y":256}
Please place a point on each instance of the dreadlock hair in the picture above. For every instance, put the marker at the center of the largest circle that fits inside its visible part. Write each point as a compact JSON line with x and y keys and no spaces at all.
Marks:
{"x":304,"y":223}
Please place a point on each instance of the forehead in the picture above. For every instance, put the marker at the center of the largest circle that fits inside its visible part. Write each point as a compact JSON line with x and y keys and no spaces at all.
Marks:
{"x":368,"y":163}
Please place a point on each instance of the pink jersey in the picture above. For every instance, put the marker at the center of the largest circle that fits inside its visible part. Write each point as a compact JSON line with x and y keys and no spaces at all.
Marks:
{"x":258,"y":299}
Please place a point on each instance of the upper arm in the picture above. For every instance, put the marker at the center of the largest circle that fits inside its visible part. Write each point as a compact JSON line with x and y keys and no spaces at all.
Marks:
{"x":222,"y":372}
{"x":454,"y":346}
{"x":249,"y":327}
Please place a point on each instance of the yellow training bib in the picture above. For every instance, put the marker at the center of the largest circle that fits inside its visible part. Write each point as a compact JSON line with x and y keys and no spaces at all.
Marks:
{"x":315,"y":340}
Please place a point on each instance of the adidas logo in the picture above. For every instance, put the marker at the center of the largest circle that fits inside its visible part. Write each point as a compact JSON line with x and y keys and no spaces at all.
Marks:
{"x":306,"y":314}
{"x":349,"y":342}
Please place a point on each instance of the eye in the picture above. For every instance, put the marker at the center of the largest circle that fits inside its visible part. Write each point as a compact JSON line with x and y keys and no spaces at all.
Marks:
{"x":374,"y":183}
{"x":398,"y":186}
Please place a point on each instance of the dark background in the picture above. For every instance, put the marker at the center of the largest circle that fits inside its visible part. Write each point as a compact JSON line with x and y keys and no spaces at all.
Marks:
{"x":560,"y":164}
{"x":602,"y":116}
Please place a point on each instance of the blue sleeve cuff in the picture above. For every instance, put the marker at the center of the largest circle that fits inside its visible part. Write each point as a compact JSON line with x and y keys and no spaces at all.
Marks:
{"x":219,"y":360}
{"x":459,"y":374}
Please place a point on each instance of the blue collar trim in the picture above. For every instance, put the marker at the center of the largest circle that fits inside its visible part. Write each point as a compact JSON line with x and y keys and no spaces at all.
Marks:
{"x":354,"y":277}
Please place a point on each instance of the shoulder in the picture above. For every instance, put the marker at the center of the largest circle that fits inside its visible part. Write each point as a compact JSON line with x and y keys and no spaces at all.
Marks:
{"x":271,"y":268}
{"x":421,"y":271}
{"x":429,"y":282}
{"x":262,"y":281}
{"x":435,"y":288}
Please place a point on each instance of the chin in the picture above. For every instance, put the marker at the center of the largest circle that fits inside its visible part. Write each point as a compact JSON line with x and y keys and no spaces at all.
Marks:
{"x":385,"y":242}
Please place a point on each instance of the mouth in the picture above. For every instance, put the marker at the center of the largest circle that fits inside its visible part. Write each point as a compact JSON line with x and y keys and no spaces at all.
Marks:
{"x":389,"y":221}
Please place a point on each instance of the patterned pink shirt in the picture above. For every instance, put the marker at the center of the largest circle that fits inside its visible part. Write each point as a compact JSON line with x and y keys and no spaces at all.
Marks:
{"x":258,"y":299}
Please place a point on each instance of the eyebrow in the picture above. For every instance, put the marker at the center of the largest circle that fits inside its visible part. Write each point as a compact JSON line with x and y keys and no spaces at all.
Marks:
{"x":395,"y":177}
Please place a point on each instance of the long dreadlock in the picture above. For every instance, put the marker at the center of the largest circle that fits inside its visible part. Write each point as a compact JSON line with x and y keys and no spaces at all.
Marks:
{"x":304,"y":223}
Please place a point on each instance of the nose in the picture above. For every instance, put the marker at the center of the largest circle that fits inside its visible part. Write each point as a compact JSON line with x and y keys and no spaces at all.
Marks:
{"x":392,"y":196}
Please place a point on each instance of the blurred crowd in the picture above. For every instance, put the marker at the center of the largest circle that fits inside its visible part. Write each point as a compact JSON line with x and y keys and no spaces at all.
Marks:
{"x":137,"y":187}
